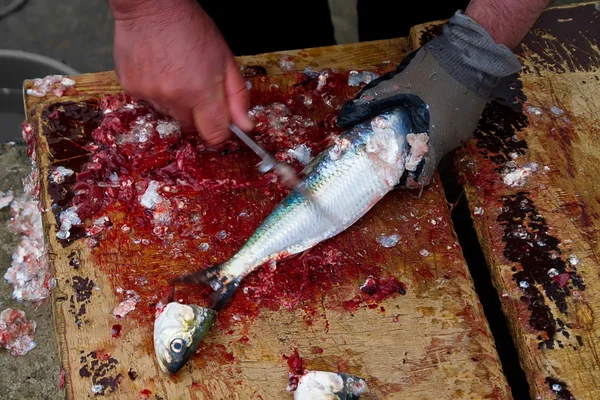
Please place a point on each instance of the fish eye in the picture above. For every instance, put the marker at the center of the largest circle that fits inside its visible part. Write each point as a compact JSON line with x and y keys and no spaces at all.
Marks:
{"x":177,"y":345}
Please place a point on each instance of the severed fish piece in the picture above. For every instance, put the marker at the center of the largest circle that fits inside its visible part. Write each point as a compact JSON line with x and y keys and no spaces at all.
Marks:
{"x":323,"y":385}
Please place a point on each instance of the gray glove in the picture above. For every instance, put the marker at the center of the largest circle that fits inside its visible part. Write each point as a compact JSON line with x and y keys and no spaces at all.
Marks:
{"x":446,"y":84}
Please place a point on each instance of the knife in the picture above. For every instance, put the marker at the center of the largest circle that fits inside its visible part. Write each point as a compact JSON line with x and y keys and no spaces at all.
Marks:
{"x":284,"y":170}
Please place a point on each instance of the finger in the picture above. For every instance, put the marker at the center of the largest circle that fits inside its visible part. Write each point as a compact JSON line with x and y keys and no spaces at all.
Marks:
{"x":182,"y":116}
{"x":238,"y":98}
{"x":211,"y":117}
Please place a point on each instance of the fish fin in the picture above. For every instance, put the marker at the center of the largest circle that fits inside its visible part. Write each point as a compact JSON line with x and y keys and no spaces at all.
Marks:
{"x":171,"y":294}
{"x":204,"y":276}
{"x":221,"y":297}
{"x":223,"y":286}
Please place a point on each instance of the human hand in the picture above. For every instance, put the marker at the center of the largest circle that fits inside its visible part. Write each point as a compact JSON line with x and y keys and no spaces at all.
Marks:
{"x":445,"y":83}
{"x":173,"y":56}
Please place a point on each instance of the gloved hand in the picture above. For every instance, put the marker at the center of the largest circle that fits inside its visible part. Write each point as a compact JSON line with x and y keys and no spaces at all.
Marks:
{"x":446,"y":84}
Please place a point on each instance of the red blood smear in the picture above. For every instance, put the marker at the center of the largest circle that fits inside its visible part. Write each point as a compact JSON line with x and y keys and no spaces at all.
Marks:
{"x":206,"y":191}
{"x":370,"y":286}
{"x":294,"y":362}
{"x":375,"y":291}
{"x":317,"y":350}
{"x":214,"y":353}
{"x":61,"y":378}
{"x":561,"y":279}
{"x":352,"y":305}
{"x":387,"y":288}
{"x":116,"y":331}
{"x":228,"y":357}
{"x":196,"y":386}
{"x":146,"y":393}
{"x":244,"y":339}
{"x":342,"y":366}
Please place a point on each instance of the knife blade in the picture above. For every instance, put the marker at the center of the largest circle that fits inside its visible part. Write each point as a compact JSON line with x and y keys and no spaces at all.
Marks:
{"x":284,"y":170}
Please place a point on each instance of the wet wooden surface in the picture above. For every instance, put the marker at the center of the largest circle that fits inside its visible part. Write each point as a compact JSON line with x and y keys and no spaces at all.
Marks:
{"x":431,"y":342}
{"x":540,"y":238}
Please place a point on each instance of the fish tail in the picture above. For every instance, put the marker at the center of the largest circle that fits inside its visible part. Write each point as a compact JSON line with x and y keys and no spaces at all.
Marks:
{"x":223,"y":286}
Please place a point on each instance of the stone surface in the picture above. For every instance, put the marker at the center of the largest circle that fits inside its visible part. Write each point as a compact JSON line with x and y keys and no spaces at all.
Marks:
{"x":36,"y":374}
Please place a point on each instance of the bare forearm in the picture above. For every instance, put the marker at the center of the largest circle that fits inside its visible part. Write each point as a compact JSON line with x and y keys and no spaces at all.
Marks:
{"x":131,"y":9}
{"x":507,"y":21}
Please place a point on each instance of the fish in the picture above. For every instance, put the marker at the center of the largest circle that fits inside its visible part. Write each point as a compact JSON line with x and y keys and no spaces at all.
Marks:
{"x":325,"y":385}
{"x":178,"y":331}
{"x":348,"y":178}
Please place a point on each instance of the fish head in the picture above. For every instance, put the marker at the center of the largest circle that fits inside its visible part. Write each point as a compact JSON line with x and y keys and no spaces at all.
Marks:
{"x":178,"y":331}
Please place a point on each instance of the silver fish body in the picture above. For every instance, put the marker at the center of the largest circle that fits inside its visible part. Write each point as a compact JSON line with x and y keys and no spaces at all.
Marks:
{"x":347,"y":179}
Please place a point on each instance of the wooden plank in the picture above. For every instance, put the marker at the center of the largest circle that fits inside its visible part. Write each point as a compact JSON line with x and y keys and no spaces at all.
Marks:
{"x":431,"y":341}
{"x":364,"y":55}
{"x":541,"y":239}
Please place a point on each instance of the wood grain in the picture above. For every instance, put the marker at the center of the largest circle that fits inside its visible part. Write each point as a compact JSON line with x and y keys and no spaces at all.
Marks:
{"x":359,"y":56}
{"x":527,"y":231}
{"x":433,"y":342}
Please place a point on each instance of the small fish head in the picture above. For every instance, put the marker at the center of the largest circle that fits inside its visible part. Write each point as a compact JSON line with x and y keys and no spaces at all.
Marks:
{"x":178,"y":331}
{"x":325,"y":385}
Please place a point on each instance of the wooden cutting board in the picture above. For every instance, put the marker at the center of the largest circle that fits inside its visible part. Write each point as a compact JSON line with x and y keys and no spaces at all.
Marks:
{"x":541,"y":238}
{"x":427,"y":338}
